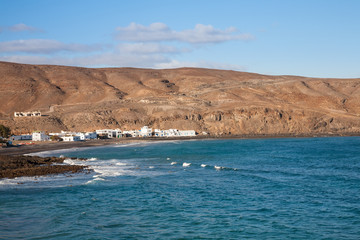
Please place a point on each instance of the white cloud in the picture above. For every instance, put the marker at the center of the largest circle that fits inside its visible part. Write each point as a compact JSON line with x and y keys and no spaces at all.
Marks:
{"x":109,"y":59}
{"x":152,"y":46}
{"x":21,"y":27}
{"x":97,"y":60}
{"x":116,"y":60}
{"x":149,"y":48}
{"x":161,"y":32}
{"x":122,"y":60}
{"x":44,"y":46}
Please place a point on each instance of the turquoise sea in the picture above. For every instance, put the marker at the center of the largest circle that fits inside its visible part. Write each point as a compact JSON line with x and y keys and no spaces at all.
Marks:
{"x":301,"y":188}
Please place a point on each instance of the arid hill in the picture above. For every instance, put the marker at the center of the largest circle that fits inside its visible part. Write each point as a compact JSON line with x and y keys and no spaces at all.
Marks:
{"x":207,"y":100}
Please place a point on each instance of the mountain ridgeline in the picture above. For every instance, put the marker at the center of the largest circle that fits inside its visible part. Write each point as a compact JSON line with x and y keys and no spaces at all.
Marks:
{"x":219,"y":102}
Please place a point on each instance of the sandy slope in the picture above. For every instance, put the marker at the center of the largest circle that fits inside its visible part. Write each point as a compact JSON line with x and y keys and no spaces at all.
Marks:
{"x":215,"y":101}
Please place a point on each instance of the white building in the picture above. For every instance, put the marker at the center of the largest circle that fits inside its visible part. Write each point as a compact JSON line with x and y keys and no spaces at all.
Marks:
{"x":109,"y":133}
{"x":40,"y":136}
{"x":82,"y":135}
{"x":171,"y":132}
{"x":57,"y":134}
{"x":159,"y":133}
{"x":71,"y":138}
{"x":145,"y":131}
{"x":179,"y":133}
{"x":131,"y":133}
{"x":20,"y":137}
{"x":187,"y":133}
{"x":87,"y":135}
{"x":27,"y":114}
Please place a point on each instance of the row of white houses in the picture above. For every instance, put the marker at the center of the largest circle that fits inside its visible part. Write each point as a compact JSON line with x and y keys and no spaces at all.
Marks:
{"x":27,"y":114}
{"x":104,"y":133}
{"x":149,"y":132}
{"x":35,"y":136}
{"x":75,"y":136}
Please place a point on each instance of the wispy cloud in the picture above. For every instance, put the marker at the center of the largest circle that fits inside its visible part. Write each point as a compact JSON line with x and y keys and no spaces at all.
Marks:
{"x":161,"y":32}
{"x":117,"y":60}
{"x":44,"y":46}
{"x":153,"y":46}
{"x":21,"y":27}
{"x":149,"y":48}
{"x":96,"y":60}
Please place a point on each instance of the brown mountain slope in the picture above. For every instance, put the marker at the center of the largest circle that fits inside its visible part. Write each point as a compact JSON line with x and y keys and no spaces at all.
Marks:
{"x":215,"y":101}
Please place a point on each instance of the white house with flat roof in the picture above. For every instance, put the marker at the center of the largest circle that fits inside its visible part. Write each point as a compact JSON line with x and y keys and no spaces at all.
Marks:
{"x":27,"y":114}
{"x":187,"y":133}
{"x":40,"y":136}
{"x":159,"y":133}
{"x":87,"y":135}
{"x":110,"y":133}
{"x":131,"y":133}
{"x":145,"y":131}
{"x":72,"y":138}
{"x":171,"y":133}
{"x":21,"y":137}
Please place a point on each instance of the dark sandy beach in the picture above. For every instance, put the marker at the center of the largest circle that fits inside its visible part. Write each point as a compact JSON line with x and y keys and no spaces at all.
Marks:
{"x":50,"y":146}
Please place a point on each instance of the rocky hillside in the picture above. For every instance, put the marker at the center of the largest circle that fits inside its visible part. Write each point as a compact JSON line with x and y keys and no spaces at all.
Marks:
{"x":214,"y":101}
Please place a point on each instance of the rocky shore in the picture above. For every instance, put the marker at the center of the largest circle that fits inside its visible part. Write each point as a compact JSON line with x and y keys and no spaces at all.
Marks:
{"x":21,"y":166}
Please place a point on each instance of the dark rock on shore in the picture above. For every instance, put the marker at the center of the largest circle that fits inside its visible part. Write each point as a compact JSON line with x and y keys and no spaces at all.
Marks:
{"x":21,"y":166}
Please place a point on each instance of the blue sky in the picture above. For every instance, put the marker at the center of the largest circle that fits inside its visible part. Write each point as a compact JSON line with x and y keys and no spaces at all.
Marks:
{"x":315,"y":38}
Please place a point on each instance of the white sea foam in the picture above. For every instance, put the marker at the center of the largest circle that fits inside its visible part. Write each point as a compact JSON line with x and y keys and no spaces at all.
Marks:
{"x":185,"y":164}
{"x":75,"y":162}
{"x":58,"y":180}
{"x":109,"y":168}
{"x":125,"y":145}
{"x":102,"y":169}
{"x":173,"y":163}
{"x":7,"y":181}
{"x":168,"y":158}
{"x":218,"y":167}
{"x":151,"y":167}
{"x":225,"y":168}
{"x":55,"y":152}
{"x":95,"y":180}
{"x":69,"y":161}
{"x":203,"y":165}
{"x":120,"y":164}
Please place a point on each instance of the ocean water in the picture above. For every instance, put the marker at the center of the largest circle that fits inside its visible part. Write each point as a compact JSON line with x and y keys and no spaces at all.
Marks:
{"x":306,"y":188}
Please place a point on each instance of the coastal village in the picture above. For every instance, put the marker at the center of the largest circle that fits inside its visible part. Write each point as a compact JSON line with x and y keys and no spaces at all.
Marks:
{"x":73,"y":136}
{"x":68,"y":136}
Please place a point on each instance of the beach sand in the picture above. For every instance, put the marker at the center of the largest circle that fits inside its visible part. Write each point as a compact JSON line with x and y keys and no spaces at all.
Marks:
{"x":50,"y":146}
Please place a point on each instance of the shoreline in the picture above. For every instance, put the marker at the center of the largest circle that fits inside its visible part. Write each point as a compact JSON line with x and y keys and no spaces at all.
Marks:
{"x":34,"y":166}
{"x":51,"y":146}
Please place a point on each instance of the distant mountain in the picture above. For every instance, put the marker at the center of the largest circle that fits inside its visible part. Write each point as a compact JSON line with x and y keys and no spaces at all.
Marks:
{"x":206,"y":100}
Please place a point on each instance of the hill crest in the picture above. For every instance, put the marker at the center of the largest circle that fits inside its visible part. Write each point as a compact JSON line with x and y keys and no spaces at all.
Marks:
{"x":214,"y":101}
